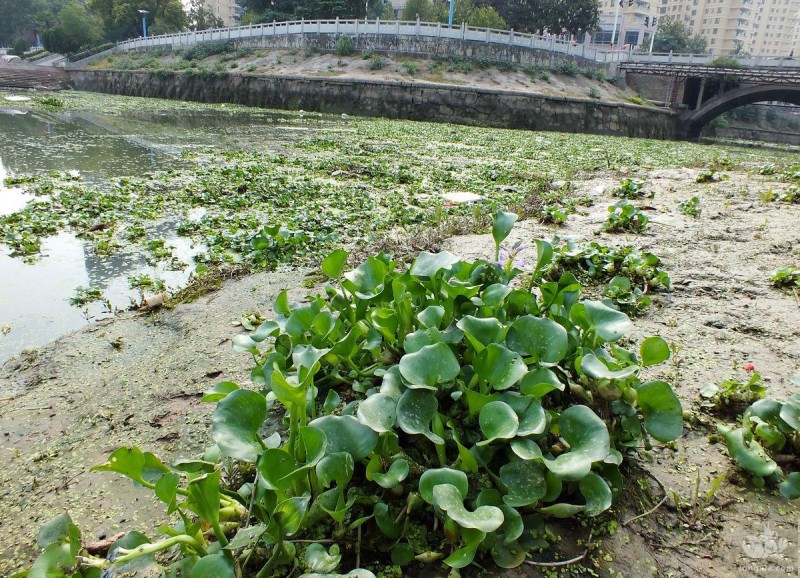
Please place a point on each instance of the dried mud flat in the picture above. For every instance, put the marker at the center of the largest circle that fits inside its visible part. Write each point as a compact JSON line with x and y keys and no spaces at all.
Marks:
{"x":137,"y":380}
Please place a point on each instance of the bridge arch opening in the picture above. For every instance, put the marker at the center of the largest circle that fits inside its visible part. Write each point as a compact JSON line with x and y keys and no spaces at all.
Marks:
{"x":692,"y":124}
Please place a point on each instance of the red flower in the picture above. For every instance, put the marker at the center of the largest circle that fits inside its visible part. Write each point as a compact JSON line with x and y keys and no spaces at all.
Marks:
{"x":749,"y":367}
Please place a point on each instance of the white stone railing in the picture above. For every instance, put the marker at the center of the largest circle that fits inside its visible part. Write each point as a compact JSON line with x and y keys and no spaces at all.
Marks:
{"x":596,"y":53}
{"x":387,"y":27}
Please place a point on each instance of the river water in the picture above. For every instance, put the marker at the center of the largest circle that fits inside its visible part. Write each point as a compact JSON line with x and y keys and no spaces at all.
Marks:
{"x":34,"y":296}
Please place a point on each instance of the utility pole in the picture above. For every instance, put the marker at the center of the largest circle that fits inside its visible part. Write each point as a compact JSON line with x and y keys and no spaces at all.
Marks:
{"x":452,"y":11}
{"x":653,"y":35}
{"x":144,"y":14}
{"x":616,"y":17}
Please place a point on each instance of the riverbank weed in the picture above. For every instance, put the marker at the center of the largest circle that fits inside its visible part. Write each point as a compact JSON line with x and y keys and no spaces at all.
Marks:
{"x":690,"y":208}
{"x":786,"y":277}
{"x":624,"y":216}
{"x":767,"y":444}
{"x":632,"y":189}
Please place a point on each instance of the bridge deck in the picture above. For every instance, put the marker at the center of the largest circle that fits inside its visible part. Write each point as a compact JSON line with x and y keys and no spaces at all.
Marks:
{"x":761,"y":74}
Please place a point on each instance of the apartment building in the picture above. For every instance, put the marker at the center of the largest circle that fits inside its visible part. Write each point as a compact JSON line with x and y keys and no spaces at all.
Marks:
{"x":228,"y":10}
{"x":758,"y":27}
{"x":634,"y":23}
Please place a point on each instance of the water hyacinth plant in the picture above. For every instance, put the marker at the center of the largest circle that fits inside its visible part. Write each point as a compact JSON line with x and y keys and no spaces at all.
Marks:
{"x":433,"y":413}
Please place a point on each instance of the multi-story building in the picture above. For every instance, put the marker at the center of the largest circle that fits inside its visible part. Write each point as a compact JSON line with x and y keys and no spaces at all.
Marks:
{"x":758,"y":27}
{"x":634,"y":23}
{"x":227,"y":10}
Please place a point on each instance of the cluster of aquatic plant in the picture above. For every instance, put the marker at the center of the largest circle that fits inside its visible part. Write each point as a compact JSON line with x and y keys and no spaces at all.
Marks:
{"x":733,"y":395}
{"x":434,"y":413}
{"x":786,"y":277}
{"x":710,"y":175}
{"x":632,"y":189}
{"x":625,"y":216}
{"x":691,"y":207}
{"x":594,"y":262}
{"x":767,"y":443}
{"x":624,"y":295}
{"x":85,"y":295}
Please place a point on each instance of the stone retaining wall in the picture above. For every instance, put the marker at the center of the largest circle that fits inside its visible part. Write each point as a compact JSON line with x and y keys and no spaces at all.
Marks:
{"x":388,"y":99}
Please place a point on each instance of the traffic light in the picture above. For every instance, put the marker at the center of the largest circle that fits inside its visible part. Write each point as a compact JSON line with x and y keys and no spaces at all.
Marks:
{"x":647,"y":21}
{"x":630,"y":3}
{"x":622,"y":3}
{"x":655,"y":19}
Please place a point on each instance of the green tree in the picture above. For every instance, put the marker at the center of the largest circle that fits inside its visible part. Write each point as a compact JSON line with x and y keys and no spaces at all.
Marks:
{"x":121,"y":18}
{"x":464,"y":11}
{"x":675,"y":36}
{"x":555,"y":16}
{"x":13,"y":15}
{"x":487,"y":17}
{"x":424,"y":8}
{"x":201,"y":18}
{"x":81,"y":29}
{"x":20,"y":47}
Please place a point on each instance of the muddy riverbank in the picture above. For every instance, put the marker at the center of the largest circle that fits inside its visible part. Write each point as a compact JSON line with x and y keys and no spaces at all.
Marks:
{"x":137,"y":379}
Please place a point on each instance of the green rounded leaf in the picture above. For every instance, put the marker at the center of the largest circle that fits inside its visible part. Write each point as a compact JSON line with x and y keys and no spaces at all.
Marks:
{"x":291,"y":513}
{"x":396,"y":473}
{"x":430,"y":365}
{"x":748,"y":453}
{"x":502,"y":224}
{"x":402,"y":554}
{"x":378,"y":411}
{"x":541,"y":338}
{"x":278,"y":469}
{"x":661,"y":408}
{"x":236,"y":422}
{"x":588,"y":439}
{"x":790,"y":412}
{"x":336,"y":467}
{"x":597,"y":494}
{"x":594,"y":367}
{"x":790,"y":487}
{"x":497,"y":421}
{"x":539,"y":382}
{"x":385,"y":522}
{"x":431,"y":316}
{"x":429,"y":264}
{"x":222,"y":389}
{"x":508,"y":554}
{"x":433,"y":477}
{"x":500,"y":366}
{"x":367,"y":280}
{"x":562,"y":510}
{"x":318,"y":559}
{"x":653,"y":351}
{"x":415,"y":411}
{"x":345,"y":434}
{"x":525,"y":481}
{"x":608,"y":323}
{"x":333,"y":264}
{"x":465,"y":555}
{"x":526,"y":449}
{"x":481,"y":331}
{"x":449,"y":499}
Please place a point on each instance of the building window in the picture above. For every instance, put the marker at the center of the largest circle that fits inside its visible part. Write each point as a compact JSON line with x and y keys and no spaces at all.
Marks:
{"x":632,"y":37}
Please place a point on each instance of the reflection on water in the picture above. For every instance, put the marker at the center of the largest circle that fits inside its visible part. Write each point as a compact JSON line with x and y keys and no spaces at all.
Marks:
{"x":34,"y":297}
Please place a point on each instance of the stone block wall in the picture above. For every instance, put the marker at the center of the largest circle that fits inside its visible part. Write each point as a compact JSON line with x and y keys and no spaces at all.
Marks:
{"x":389,"y":99}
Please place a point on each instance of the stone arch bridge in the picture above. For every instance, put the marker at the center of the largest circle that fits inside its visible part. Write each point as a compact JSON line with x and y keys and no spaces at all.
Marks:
{"x":701,"y":93}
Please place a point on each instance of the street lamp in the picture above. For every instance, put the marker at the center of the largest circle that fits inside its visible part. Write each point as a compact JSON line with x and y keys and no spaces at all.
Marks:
{"x":144,"y":14}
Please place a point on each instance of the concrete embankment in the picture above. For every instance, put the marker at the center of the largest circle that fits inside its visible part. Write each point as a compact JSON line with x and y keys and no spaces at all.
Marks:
{"x":390,"y":99}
